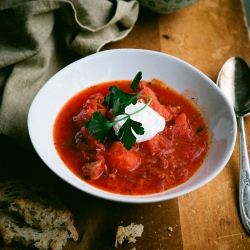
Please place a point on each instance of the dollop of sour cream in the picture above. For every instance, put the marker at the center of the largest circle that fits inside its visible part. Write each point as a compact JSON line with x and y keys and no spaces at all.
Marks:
{"x":151,"y":121}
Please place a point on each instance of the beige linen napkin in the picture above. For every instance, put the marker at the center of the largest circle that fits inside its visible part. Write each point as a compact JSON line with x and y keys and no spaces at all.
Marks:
{"x":39,"y":37}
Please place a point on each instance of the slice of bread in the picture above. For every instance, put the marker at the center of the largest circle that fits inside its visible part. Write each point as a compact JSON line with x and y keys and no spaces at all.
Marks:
{"x":14,"y":229}
{"x":42,"y":216}
{"x":32,"y":216}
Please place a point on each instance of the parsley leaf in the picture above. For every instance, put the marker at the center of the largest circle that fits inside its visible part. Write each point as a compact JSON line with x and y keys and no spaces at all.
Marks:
{"x":99,"y":126}
{"x":135,"y":82}
{"x":126,"y":134}
{"x":117,"y":100}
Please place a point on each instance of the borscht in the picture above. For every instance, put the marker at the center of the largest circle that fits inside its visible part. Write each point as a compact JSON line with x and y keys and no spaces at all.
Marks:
{"x":97,"y":138}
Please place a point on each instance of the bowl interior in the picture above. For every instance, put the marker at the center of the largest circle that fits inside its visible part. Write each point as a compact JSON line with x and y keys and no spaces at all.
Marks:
{"x":124,"y":64}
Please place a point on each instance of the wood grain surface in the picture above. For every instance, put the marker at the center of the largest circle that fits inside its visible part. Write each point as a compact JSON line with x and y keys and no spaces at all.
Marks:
{"x":205,"y":35}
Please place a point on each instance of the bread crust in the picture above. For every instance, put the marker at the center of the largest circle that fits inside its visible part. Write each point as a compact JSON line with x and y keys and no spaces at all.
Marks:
{"x":34,"y":217}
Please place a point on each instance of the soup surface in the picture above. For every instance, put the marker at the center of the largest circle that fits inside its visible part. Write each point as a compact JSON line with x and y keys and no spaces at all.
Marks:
{"x":167,"y":160}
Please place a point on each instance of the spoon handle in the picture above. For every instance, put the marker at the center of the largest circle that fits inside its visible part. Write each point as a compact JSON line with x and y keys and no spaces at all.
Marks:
{"x":244,"y":192}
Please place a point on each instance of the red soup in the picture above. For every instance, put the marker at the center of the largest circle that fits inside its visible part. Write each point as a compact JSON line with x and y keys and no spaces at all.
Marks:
{"x":167,"y":160}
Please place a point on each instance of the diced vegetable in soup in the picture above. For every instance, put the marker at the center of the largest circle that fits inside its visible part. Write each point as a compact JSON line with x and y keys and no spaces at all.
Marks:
{"x":86,"y":140}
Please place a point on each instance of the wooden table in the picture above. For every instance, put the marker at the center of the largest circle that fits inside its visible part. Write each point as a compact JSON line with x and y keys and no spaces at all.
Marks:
{"x":205,"y":35}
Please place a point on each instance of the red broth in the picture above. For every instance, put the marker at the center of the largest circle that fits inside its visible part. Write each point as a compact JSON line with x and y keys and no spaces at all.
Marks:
{"x":166,"y":161}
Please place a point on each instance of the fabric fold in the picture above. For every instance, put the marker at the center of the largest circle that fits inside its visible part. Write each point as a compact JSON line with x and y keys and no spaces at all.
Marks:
{"x":40,"y":37}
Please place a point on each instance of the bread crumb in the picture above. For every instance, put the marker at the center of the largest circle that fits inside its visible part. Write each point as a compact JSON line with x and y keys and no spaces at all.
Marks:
{"x":128,"y":233}
{"x":170,"y":229}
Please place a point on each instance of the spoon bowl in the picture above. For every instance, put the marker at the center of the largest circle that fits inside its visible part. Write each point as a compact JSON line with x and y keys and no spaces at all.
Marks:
{"x":234,"y":81}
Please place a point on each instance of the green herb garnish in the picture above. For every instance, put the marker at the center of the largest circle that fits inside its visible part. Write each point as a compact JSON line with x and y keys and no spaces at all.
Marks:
{"x":118,"y":100}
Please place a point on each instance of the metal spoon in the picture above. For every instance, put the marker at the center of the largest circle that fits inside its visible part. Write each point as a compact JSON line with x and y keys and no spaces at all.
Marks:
{"x":234,"y":81}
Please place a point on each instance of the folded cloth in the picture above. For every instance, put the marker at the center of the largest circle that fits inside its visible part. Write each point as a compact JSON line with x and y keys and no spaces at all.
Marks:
{"x":39,"y":37}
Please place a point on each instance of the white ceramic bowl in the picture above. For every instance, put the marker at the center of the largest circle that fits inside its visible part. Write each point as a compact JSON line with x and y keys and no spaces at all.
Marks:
{"x":124,"y":64}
